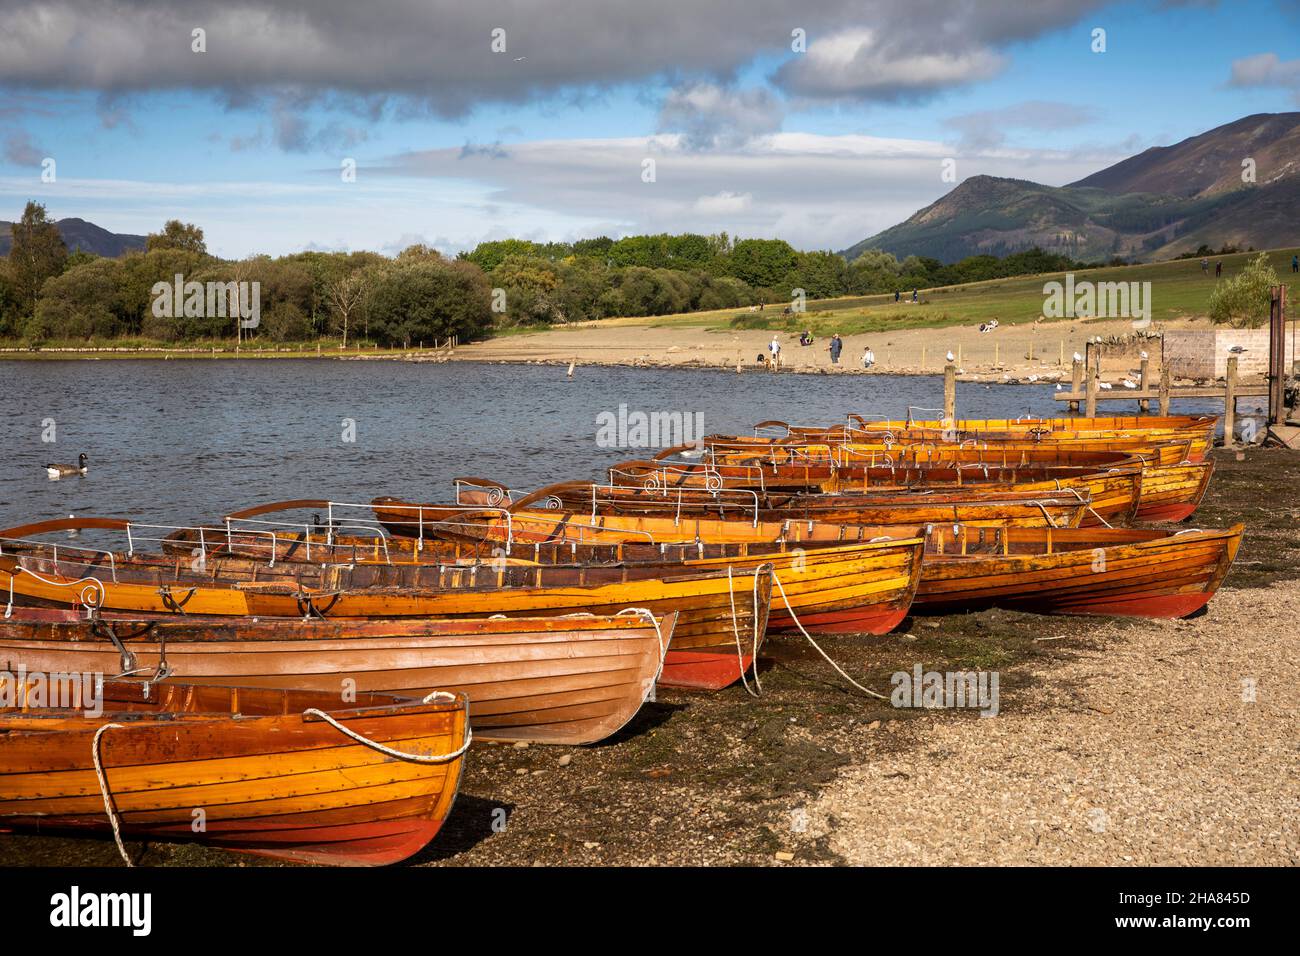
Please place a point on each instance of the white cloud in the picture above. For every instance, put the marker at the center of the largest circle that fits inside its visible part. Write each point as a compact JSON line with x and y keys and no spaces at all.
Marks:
{"x":868,"y":64}
{"x":1265,"y":69}
{"x":724,"y":203}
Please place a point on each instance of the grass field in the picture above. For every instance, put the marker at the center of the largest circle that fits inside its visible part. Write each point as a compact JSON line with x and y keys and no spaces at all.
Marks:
{"x":1178,"y":290}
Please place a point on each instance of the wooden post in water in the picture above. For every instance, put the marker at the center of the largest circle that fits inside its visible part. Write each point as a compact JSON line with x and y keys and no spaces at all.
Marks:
{"x":922,"y":358}
{"x":950,"y":392}
{"x":1230,"y":403}
{"x":997,"y":361}
{"x":1164,"y":390}
{"x":1061,"y":359}
{"x":1144,"y":404}
{"x":1076,"y":384}
{"x":1090,"y":396}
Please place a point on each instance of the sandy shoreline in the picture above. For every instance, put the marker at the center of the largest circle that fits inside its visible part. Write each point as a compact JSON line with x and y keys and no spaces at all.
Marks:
{"x":1012,"y":352}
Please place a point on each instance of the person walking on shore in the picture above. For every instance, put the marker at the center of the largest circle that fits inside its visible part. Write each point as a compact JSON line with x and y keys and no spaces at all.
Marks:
{"x":1218,"y":269}
{"x":1205,"y":266}
{"x":868,"y":358}
{"x":1295,"y":263}
{"x":835,"y":348}
{"x":774,"y":347}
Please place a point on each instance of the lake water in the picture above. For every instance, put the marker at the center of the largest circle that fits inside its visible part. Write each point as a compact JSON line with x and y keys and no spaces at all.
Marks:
{"x":175,"y":442}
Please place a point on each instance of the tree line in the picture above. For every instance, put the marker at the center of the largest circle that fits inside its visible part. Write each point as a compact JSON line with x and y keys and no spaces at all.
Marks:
{"x":47,"y":293}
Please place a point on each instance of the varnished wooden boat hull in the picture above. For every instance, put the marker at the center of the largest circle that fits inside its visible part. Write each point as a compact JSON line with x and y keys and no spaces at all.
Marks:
{"x":860,"y":587}
{"x":1110,"y":496}
{"x":856,"y":589}
{"x":1128,"y":489}
{"x":524,"y":526}
{"x":556,"y":681}
{"x":742,"y":450}
{"x":1198,"y":430}
{"x":268,"y":778}
{"x":713,"y":605}
{"x":1128,"y":572}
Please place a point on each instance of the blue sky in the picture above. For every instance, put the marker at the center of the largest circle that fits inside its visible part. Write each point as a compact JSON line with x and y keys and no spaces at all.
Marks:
{"x":455,"y":143}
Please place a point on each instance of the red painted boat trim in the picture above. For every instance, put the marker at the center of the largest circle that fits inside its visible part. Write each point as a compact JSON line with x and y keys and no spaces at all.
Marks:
{"x":1158,"y":605}
{"x":1173,"y":511}
{"x":851,"y":621}
{"x":703,"y":670}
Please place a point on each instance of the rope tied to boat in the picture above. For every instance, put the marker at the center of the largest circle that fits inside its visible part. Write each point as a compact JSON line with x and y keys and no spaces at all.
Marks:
{"x":169,"y":601}
{"x":109,"y":809}
{"x":646,"y":613}
{"x":735,"y":630}
{"x":401,"y":754}
{"x":776,"y":579}
{"x":1087,"y":504}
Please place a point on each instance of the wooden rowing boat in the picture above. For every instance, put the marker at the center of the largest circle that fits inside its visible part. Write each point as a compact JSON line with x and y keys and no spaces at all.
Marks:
{"x":719,"y":609}
{"x":1199,"y":430}
{"x":1111,"y":496}
{"x":861,"y":587}
{"x":254,"y":770}
{"x":573,"y":680}
{"x":521,"y":525}
{"x":747,"y":450}
{"x":1134,"y":572}
{"x":1127,"y":490}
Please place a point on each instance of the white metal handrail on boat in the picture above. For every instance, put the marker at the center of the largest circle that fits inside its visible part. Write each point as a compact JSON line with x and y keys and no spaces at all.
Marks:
{"x":419,"y":510}
{"x":54,"y":556}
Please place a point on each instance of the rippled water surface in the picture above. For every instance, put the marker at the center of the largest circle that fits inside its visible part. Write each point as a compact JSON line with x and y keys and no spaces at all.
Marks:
{"x":175,"y":442}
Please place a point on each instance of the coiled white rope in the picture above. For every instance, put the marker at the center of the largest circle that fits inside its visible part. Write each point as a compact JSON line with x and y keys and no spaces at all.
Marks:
{"x":103,"y":790}
{"x":399,"y":754}
{"x":794,"y":617}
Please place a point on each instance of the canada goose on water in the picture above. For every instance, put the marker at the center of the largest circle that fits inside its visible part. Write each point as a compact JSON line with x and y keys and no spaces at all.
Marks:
{"x":59,"y":471}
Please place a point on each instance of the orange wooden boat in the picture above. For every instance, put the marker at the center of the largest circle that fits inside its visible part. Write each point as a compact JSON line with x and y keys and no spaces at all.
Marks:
{"x":776,"y":456}
{"x":861,"y":587}
{"x":720,"y":627}
{"x":1122,"y":571}
{"x":745,"y":450}
{"x":570,"y":680}
{"x":287,"y":774}
{"x":522,"y":525}
{"x":1111,"y":496}
{"x":1126,"y":490}
{"x":1197,"y":429}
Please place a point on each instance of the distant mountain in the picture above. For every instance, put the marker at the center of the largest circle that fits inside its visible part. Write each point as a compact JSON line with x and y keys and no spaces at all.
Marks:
{"x":80,"y":234}
{"x":1155,"y":205}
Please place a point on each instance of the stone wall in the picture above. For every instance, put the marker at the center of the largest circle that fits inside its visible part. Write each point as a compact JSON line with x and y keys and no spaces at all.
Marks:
{"x":1203,"y":353}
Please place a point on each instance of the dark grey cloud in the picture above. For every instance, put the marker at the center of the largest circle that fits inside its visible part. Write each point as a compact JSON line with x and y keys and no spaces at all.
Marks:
{"x":710,"y":116}
{"x":20,"y":150}
{"x":436,"y":55}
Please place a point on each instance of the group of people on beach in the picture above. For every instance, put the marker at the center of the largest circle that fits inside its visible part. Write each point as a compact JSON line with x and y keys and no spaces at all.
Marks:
{"x":835,"y":348}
